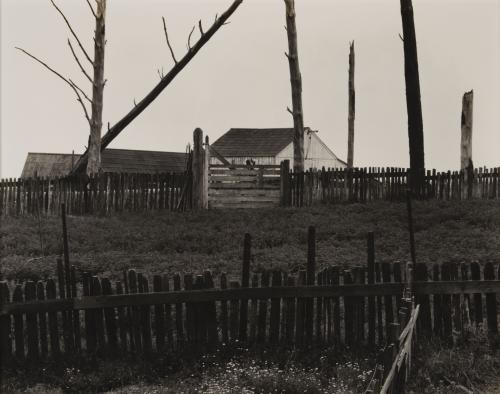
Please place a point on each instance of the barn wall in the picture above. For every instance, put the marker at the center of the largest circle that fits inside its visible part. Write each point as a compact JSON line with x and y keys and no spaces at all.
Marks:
{"x":317,"y":155}
{"x":243,"y":160}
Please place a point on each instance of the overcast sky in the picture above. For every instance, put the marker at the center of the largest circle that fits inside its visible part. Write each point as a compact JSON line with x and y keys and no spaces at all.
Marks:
{"x":241,"y":77}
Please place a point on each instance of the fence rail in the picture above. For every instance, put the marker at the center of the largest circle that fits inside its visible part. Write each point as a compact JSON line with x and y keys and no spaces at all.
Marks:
{"x":103,"y":194}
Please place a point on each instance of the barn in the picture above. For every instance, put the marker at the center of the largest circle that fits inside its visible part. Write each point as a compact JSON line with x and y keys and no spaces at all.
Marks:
{"x":112,"y":160}
{"x":271,"y":146}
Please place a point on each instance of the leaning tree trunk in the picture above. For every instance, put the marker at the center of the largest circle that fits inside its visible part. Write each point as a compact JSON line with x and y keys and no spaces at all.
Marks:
{"x":296,"y":82}
{"x":352,"y":107}
{"x":466,"y":124}
{"x":94,"y":162}
{"x":413,"y":104}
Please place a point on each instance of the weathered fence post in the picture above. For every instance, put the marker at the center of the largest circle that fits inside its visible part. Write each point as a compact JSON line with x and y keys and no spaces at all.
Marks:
{"x":285,"y":183}
{"x":200,"y":172}
{"x":245,"y":282}
{"x":466,"y":164}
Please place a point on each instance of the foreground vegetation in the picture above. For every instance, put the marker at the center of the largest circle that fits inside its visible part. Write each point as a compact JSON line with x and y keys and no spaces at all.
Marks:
{"x":192,"y":242}
{"x":178,"y":242}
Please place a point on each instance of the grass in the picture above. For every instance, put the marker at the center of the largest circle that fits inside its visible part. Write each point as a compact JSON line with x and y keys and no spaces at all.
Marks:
{"x":178,"y":242}
{"x":192,"y":242}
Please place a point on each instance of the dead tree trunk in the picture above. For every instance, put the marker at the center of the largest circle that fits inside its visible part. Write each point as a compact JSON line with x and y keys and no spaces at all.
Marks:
{"x":466,"y":122}
{"x":166,"y":79}
{"x":94,"y":162}
{"x":352,"y":108}
{"x":296,"y":82}
{"x":413,"y":104}
{"x":466,"y":163}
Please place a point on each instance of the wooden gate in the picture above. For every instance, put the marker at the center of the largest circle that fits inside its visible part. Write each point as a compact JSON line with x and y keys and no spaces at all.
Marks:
{"x":239,"y":186}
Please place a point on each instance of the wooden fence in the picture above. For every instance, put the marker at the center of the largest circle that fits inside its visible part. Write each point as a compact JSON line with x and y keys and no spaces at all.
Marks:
{"x":103,"y":194}
{"x":372,"y":184}
{"x":80,"y":313}
{"x":243,"y":186}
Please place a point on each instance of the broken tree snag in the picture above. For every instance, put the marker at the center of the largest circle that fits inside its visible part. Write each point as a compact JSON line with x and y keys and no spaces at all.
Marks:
{"x":296,"y":83}
{"x":94,"y":149}
{"x":200,"y":171}
{"x":352,"y":107}
{"x":466,"y":123}
{"x":413,"y":103}
{"x":114,"y":131}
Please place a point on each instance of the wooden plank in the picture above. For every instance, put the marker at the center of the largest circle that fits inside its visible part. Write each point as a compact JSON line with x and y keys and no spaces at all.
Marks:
{"x":387,"y":289}
{"x":18,"y":324}
{"x":179,"y":318}
{"x":262,"y":323}
{"x":90,"y":332}
{"x":233,"y":200}
{"x":260,"y":192}
{"x":122,"y":322}
{"x":42,"y":321}
{"x":446,"y":306}
{"x":253,"y":312}
{"x":234,"y":314}
{"x":336,"y":320}
{"x":245,"y":283}
{"x":145,"y":313}
{"x":31,"y":322}
{"x":437,"y":303}
{"x":96,"y":290}
{"x":348,"y":312}
{"x":371,"y":280}
{"x":300,"y":314}
{"x":135,"y":314}
{"x":478,"y":305}
{"x":159,"y":316}
{"x":243,"y":186}
{"x":491,"y":302}
{"x":110,"y":319}
{"x":424,"y":321}
{"x":224,"y":318}
{"x":310,"y":277}
{"x":5,"y":326}
{"x":169,"y":327}
{"x":190,"y":313}
{"x":211,"y":313}
{"x":319,"y":310}
{"x":55,"y":349}
{"x":76,"y":313}
{"x":274,"y":317}
{"x":389,"y":313}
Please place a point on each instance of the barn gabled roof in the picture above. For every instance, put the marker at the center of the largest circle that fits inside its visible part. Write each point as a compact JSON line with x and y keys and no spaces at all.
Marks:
{"x":253,"y":142}
{"x":112,"y":160}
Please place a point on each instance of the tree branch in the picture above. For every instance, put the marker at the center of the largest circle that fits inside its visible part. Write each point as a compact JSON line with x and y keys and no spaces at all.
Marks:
{"x":168,"y":42}
{"x":155,"y":92}
{"x":69,"y":82}
{"x":81,"y":91}
{"x":92,"y":9}
{"x":72,"y":32}
{"x":189,"y":38}
{"x":200,"y":27}
{"x":79,"y":64}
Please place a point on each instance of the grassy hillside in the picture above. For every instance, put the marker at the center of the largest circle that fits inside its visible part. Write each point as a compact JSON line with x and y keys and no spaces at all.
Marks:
{"x":178,"y":242}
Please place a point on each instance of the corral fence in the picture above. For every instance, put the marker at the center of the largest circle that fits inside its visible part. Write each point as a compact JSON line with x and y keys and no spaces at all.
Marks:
{"x":389,"y":184}
{"x":229,"y":186}
{"x":85,"y":314}
{"x":102,"y":194}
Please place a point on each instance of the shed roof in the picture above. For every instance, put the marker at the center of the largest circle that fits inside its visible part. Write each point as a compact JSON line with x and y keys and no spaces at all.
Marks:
{"x":113,"y":160}
{"x":253,"y":142}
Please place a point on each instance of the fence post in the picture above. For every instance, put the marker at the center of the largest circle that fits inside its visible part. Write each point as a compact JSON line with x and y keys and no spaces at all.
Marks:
{"x":371,"y":281}
{"x":285,"y":182}
{"x":200,"y":198}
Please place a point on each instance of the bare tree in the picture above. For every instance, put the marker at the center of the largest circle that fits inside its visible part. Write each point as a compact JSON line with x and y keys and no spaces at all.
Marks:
{"x":97,"y":82}
{"x":413,"y":103}
{"x":296,"y":84}
{"x":165,"y":79}
{"x":352,"y":108}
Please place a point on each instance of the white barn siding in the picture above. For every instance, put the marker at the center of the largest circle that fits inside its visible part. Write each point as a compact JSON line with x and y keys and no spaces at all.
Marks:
{"x":317,"y":154}
{"x":243,"y":160}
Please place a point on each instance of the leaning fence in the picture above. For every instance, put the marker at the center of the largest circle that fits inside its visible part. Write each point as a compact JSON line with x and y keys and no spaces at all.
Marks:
{"x":84,"y":314}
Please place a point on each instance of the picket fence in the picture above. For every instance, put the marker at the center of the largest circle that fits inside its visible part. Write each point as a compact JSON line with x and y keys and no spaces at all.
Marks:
{"x":81,"y":313}
{"x":103,"y":194}
{"x":390,"y":184}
